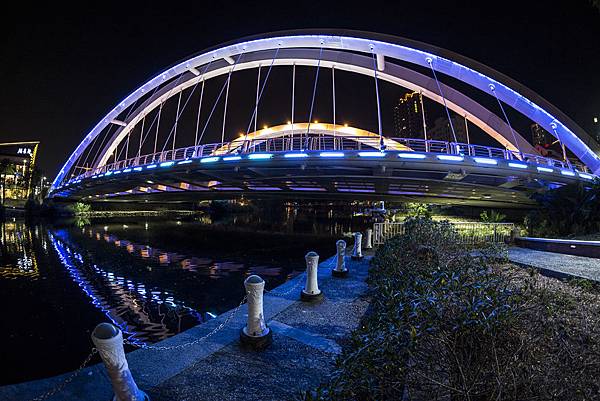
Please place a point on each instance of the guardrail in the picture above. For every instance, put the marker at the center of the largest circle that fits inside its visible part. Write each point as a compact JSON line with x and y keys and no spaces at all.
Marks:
{"x":470,"y":233}
{"x":319,"y":142}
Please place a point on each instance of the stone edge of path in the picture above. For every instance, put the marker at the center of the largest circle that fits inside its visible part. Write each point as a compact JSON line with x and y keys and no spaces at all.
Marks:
{"x":561,"y":274}
{"x":152,"y":367}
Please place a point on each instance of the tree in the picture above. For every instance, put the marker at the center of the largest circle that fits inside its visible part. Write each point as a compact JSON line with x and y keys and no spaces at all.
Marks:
{"x":492,"y":216}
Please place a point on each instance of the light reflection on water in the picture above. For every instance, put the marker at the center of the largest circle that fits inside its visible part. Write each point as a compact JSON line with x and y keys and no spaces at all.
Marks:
{"x":152,"y":278}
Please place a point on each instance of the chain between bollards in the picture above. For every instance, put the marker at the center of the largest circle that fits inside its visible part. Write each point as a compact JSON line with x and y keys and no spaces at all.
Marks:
{"x":196,"y":341}
{"x":68,"y":380}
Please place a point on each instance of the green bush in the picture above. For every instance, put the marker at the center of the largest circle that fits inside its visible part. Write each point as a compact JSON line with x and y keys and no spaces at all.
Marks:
{"x":447,"y":325}
{"x":572,"y":209}
{"x":80,"y":208}
{"x":492,"y":216}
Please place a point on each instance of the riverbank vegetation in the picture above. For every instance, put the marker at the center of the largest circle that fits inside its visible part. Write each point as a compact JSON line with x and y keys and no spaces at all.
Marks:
{"x":447,"y":324}
{"x":569,"y":211}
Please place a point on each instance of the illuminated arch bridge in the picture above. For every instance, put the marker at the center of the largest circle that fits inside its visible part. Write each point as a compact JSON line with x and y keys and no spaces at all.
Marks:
{"x":135,"y":153}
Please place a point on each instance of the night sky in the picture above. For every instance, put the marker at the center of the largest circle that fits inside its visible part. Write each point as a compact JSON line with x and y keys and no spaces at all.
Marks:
{"x":59,"y":74}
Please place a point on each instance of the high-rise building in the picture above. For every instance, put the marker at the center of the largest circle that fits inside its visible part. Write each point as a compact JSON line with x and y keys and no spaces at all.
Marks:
{"x":408,"y":116}
{"x":539,"y":136}
{"x":441,"y":130}
{"x":597,"y":128}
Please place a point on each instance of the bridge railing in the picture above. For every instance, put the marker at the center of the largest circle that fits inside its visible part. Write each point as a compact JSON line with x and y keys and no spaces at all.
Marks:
{"x":321,"y":142}
{"x":470,"y":233}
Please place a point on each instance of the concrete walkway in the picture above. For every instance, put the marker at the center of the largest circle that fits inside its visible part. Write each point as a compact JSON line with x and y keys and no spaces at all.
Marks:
{"x":557,"y":264}
{"x":306,"y":340}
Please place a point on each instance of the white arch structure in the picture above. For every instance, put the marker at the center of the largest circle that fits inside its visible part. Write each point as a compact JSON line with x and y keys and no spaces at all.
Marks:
{"x":353,"y":51}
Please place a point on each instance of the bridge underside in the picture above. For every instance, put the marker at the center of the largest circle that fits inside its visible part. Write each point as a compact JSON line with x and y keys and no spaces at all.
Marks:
{"x":353,"y":177}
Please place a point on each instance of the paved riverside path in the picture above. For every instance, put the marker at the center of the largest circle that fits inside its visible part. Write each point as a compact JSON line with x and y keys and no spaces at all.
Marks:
{"x":557,"y":264}
{"x":306,"y":340}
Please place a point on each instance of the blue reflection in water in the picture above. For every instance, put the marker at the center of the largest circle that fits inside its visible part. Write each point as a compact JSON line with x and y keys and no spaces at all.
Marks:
{"x":126,"y":303}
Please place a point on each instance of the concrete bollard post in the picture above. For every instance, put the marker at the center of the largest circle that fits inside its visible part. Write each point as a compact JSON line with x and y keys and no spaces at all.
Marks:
{"x":357,"y":252}
{"x":108,"y":339}
{"x":311,"y":290}
{"x":256,"y":334}
{"x":369,"y":239}
{"x":340,"y":269}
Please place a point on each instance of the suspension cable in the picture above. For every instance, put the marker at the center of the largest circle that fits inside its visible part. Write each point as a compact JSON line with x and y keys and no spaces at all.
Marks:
{"x":139,"y":153}
{"x":293,"y":101}
{"x":430,"y":62}
{"x":261,"y":93}
{"x":423,"y":114}
{"x":312,"y":101}
{"x":177,"y":115}
{"x":198,"y":115}
{"x":157,"y":127}
{"x":156,"y":117}
{"x":333,"y":97}
{"x":493,"y":89}
{"x":381,"y":142}
{"x":561,"y":143}
{"x":256,"y":101}
{"x":127,"y":145}
{"x":217,"y":100}
{"x":225,"y":108}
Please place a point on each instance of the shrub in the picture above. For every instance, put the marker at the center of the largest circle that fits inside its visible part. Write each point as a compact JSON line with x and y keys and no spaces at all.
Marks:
{"x":492,"y":216}
{"x":447,"y":325}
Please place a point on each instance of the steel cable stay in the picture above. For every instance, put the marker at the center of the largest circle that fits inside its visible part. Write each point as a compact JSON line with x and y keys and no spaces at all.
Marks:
{"x":493,"y":89}
{"x":430,"y":62}
{"x":157,"y":116}
{"x":217,"y":100}
{"x":256,"y":100}
{"x":180,"y":111}
{"x":198,"y":114}
{"x":381,"y":142}
{"x":254,"y":118}
{"x":225,"y":107}
{"x":312,"y":101}
{"x":131,"y":109}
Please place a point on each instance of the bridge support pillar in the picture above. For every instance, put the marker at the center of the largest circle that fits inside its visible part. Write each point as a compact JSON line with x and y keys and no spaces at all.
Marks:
{"x":357,"y":251}
{"x":369,"y":238}
{"x":340,"y":269}
{"x":256,"y":334}
{"x":311,"y":291}
{"x":108,"y":339}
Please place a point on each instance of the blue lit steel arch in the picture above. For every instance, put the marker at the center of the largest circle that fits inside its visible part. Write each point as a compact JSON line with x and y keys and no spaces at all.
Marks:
{"x":446,"y":62}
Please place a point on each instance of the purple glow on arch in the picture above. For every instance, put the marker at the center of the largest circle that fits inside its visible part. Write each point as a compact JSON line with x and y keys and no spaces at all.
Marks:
{"x":392,"y":50}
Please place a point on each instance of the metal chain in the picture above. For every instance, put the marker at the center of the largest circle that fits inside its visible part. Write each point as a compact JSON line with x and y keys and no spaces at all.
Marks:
{"x":196,"y":341}
{"x":68,"y":380}
{"x":298,"y":283}
{"x":295,"y":286}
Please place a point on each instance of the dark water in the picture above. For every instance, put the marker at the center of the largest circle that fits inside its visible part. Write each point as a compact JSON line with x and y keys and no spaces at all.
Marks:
{"x":153,"y":278}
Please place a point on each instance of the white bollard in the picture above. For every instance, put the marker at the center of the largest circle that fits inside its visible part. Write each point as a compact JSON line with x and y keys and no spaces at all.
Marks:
{"x":340,"y":266}
{"x":256,"y":334}
{"x":357,"y":252}
{"x":311,"y":290}
{"x":369,"y":239}
{"x":108,"y":339}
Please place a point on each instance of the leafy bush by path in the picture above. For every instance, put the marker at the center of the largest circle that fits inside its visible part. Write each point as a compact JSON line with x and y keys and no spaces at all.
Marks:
{"x":446,"y":325}
{"x":566,"y":211}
